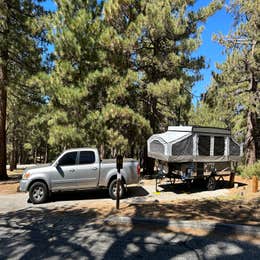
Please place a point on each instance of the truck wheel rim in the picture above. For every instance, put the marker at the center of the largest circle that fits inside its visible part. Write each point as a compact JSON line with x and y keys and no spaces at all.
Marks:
{"x":114,"y":190}
{"x":38,"y":193}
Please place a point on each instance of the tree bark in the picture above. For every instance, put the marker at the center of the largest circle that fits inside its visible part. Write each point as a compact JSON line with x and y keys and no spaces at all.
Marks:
{"x":14,"y":152}
{"x":46,"y":153}
{"x":3,"y":104}
{"x":102,"y":151}
{"x":35,"y":156}
{"x":13,"y":161}
{"x":3,"y":95}
{"x":251,"y":138}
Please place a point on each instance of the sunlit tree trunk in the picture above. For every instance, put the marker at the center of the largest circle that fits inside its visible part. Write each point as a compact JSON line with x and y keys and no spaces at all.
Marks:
{"x":251,"y":138}
{"x":3,"y":103}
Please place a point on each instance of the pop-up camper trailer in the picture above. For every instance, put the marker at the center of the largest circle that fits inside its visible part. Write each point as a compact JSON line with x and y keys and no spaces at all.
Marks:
{"x":192,"y":152}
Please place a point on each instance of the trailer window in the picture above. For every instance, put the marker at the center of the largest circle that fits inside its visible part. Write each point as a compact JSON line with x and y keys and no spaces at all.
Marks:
{"x":184,"y":147}
{"x":219,"y":145}
{"x":234,"y":148}
{"x":204,"y":145}
{"x":156,"y":147}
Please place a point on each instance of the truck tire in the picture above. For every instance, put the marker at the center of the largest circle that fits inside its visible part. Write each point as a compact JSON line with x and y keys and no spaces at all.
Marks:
{"x":38,"y":192}
{"x":211,"y":183}
{"x":112,"y":190}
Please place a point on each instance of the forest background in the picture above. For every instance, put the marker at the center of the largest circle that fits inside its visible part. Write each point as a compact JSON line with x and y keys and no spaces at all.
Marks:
{"x":110,"y":73}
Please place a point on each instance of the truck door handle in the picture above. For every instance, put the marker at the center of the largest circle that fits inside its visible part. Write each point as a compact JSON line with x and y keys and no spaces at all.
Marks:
{"x":73,"y":170}
{"x":95,"y":168}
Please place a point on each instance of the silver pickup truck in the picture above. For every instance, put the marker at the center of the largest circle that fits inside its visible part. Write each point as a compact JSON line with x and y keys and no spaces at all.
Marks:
{"x":77,"y":169}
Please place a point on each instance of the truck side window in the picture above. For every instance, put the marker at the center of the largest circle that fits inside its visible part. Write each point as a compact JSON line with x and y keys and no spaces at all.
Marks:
{"x":87,"y":157}
{"x":68,"y":159}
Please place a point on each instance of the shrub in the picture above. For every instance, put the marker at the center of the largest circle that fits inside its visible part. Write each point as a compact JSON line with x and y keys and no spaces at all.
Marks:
{"x":249,"y":171}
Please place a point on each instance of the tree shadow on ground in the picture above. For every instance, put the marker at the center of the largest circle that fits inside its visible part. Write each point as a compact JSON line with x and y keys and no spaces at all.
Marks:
{"x":36,"y":233}
{"x":200,"y":186}
{"x":227,"y":211}
{"x":68,"y":232}
{"x":135,"y":191}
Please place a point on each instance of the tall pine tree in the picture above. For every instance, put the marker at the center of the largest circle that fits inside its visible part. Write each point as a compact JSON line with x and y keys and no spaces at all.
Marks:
{"x":235,"y":89}
{"x":121,"y":72}
{"x":20,"y":55}
{"x":153,"y":41}
{"x":73,"y":86}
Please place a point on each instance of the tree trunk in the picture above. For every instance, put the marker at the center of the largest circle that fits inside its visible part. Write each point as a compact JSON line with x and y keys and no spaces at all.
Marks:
{"x":102,"y":151}
{"x":148,"y":163}
{"x":3,"y":96}
{"x":13,"y":161}
{"x":14,"y":152}
{"x":3,"y":103}
{"x":46,"y":154}
{"x":35,"y":156}
{"x":132,"y":150}
{"x":251,"y":138}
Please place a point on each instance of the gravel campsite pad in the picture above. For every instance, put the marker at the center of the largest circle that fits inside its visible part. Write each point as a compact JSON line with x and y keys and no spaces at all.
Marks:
{"x":235,"y":205}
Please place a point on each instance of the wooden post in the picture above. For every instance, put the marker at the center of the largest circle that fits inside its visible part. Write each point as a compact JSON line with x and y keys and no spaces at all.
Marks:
{"x":254,"y":184}
{"x":233,"y":167}
{"x":232,"y":179}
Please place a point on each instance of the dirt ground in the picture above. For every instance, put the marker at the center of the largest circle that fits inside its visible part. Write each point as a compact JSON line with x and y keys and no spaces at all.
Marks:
{"x":239,"y":206}
{"x":11,"y":186}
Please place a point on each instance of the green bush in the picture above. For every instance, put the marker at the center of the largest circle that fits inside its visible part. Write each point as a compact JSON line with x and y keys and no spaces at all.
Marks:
{"x":248,"y":171}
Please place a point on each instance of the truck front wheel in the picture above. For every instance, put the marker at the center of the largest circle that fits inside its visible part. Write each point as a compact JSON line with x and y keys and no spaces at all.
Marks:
{"x":112,"y":189}
{"x":38,"y":192}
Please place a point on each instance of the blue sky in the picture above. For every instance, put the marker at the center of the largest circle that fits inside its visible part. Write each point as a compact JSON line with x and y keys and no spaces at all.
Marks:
{"x":221,"y":21}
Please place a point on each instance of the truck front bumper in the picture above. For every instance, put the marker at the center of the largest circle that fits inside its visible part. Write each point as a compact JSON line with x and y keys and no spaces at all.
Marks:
{"x":24,"y":185}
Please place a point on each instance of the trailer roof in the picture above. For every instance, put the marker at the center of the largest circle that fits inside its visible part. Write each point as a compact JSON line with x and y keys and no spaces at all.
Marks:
{"x":177,"y":133}
{"x":172,"y":136}
{"x":200,"y":129}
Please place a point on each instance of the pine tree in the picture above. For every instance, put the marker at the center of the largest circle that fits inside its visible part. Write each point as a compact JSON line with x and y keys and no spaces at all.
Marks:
{"x":83,"y":83}
{"x":236,"y":87}
{"x":153,"y":41}
{"x":21,"y":34}
{"x":120,"y":73}
{"x":149,"y":45}
{"x":24,"y":129}
{"x":205,"y":115}
{"x":73,"y":85}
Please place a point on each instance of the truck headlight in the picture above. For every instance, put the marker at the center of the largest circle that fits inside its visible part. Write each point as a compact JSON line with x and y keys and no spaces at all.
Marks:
{"x":26,"y":175}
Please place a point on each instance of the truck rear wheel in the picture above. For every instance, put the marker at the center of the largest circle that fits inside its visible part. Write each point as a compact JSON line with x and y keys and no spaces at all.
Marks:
{"x":38,"y":192}
{"x":112,"y":189}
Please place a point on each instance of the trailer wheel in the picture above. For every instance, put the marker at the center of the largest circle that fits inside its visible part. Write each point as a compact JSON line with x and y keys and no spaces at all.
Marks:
{"x":211,"y":183}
